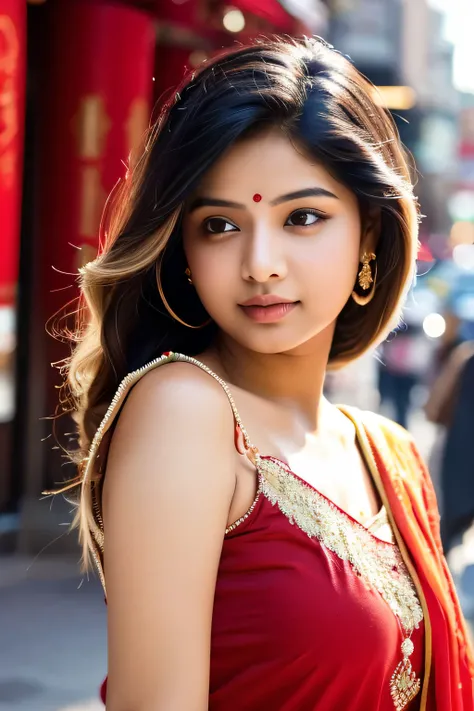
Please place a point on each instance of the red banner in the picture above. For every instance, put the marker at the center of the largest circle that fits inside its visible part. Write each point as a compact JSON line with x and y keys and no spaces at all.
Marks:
{"x":96,"y":107}
{"x":12,"y":108}
{"x":205,"y":16}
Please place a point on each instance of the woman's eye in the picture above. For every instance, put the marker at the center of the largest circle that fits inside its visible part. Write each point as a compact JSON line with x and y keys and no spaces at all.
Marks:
{"x":303,"y":218}
{"x":217,"y":225}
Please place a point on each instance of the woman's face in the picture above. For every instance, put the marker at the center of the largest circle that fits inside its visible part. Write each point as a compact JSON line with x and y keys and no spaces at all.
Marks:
{"x":273,"y":243}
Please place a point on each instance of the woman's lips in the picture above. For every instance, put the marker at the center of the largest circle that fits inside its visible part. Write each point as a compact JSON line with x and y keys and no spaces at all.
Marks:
{"x":269,"y":314}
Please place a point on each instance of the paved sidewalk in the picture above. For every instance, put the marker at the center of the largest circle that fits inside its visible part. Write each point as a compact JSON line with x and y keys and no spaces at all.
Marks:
{"x":53,"y":636}
{"x":87,"y":706}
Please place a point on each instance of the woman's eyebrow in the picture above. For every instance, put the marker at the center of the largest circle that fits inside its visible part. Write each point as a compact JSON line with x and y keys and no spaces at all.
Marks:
{"x":206,"y":201}
{"x":306,"y":192}
{"x":213,"y":202}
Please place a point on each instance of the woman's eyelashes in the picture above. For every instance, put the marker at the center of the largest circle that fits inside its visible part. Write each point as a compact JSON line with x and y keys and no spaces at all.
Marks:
{"x":301,"y":218}
{"x":304,"y":217}
{"x":219,"y":225}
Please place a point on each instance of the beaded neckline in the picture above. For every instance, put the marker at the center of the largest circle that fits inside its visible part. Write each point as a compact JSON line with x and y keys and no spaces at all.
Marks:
{"x":380,"y":519}
{"x":381,"y":514}
{"x":380,"y":565}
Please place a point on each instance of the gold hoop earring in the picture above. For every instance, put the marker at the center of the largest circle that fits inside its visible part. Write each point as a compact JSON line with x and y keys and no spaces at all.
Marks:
{"x":365,"y":279}
{"x":187,"y":271}
{"x":168,"y":307}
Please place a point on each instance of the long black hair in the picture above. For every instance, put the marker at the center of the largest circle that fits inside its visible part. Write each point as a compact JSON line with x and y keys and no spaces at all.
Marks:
{"x":331,"y":111}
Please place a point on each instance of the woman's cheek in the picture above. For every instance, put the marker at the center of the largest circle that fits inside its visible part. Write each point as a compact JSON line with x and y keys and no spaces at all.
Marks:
{"x":331,"y":271}
{"x":215,"y":290}
{"x":328,"y":285}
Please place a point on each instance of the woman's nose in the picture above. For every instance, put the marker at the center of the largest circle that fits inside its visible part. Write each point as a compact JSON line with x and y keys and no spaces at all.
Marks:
{"x":264,"y":258}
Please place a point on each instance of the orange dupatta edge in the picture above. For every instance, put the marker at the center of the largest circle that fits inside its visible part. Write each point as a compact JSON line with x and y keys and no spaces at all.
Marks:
{"x":407,"y":492}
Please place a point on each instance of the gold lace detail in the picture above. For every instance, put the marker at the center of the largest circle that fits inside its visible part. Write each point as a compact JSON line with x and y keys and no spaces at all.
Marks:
{"x":378,"y":564}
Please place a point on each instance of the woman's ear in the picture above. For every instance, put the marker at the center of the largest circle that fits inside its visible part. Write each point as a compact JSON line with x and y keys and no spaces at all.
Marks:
{"x":371,"y":226}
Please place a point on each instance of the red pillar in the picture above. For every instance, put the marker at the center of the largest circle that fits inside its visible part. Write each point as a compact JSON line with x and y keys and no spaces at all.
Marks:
{"x":96,"y":97}
{"x":12,"y":110}
{"x":12,"y":107}
{"x":99,"y":83}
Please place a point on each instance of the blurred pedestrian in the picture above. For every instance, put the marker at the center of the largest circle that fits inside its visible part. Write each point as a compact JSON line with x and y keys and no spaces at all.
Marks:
{"x":401,"y":364}
{"x":451,"y":404}
{"x":457,"y":470}
{"x":268,"y":233}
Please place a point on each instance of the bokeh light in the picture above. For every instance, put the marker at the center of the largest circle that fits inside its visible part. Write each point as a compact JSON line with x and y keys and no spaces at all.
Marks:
{"x":463,"y":257}
{"x":462,"y":232}
{"x":233,"y":20}
{"x":434,"y":325}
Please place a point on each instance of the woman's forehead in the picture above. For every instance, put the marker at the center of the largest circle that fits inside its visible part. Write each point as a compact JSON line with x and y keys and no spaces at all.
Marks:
{"x":269,"y":164}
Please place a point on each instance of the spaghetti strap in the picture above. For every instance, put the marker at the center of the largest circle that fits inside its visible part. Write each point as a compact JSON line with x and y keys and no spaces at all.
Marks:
{"x":87,"y":469}
{"x":188,"y":359}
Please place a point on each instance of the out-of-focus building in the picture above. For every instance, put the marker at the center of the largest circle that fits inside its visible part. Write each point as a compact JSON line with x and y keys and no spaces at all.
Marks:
{"x":428,"y":68}
{"x":462,"y":202}
{"x":399,"y":45}
{"x":369,"y":31}
{"x":466,"y":144}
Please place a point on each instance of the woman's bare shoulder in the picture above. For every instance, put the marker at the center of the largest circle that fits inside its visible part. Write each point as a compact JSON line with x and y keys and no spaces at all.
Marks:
{"x":177,"y":413}
{"x":182,"y":385}
{"x":170,"y":478}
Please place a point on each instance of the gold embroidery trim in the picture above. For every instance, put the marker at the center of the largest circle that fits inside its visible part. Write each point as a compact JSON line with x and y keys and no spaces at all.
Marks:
{"x":379,"y":564}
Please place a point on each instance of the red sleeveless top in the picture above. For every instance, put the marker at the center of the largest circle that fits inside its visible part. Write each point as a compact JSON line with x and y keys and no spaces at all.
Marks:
{"x":298,"y":625}
{"x":311,"y":607}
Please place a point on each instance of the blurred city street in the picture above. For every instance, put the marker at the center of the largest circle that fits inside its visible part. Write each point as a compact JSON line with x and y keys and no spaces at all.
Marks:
{"x":79,"y":81}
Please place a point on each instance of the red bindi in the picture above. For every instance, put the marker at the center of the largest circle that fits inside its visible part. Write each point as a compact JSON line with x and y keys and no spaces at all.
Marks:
{"x":257,"y":197}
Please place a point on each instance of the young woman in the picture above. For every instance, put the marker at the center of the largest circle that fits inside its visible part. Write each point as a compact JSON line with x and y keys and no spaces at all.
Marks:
{"x":261,"y":549}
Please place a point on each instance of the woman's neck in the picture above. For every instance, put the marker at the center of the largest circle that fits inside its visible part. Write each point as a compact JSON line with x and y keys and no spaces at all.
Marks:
{"x":295,"y":379}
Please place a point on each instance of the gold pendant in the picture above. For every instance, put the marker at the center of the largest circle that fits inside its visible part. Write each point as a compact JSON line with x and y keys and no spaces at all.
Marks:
{"x":404,"y":685}
{"x":365,"y":277}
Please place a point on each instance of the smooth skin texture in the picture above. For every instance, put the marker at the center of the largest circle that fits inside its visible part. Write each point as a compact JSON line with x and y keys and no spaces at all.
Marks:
{"x":174,"y":479}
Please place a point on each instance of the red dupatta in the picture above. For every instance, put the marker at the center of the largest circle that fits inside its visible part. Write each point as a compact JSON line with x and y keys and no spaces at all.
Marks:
{"x":407,"y":492}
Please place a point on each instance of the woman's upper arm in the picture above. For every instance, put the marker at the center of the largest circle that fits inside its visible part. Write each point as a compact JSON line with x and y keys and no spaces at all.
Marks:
{"x":168,"y":488}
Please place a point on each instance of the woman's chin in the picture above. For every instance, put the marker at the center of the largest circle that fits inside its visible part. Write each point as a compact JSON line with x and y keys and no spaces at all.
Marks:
{"x":269,"y":343}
